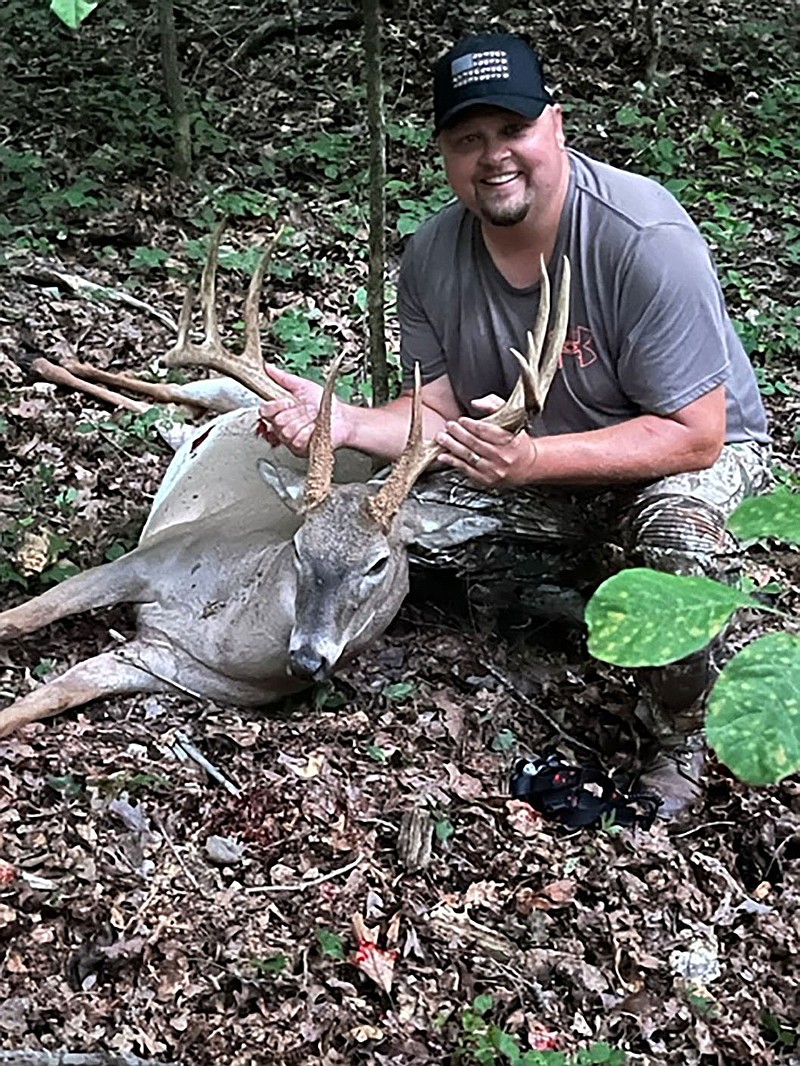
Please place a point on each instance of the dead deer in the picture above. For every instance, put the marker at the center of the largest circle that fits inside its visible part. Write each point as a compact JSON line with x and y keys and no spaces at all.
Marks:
{"x":250,"y":580}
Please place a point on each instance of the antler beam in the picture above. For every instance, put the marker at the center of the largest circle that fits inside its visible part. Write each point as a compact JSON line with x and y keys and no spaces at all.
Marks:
{"x":211,"y":354}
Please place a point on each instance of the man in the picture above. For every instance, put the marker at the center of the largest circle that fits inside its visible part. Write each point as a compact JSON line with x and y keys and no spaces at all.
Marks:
{"x":654,"y":415}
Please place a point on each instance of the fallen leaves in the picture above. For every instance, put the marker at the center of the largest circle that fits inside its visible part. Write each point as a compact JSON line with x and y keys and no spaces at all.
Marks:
{"x":375,"y":962}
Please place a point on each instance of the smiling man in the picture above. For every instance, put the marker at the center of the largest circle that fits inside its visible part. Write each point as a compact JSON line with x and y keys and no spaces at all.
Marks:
{"x":653,"y":429}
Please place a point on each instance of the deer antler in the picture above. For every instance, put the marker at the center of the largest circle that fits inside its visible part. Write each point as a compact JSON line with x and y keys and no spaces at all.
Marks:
{"x":526,"y":400}
{"x":320,"y":449}
{"x":246,"y":368}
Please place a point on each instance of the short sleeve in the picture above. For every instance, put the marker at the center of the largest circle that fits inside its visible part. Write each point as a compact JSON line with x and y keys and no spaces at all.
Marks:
{"x":672,"y":321}
{"x":419,"y":342}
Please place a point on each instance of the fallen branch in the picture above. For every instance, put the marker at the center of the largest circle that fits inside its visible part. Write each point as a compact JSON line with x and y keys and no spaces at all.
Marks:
{"x":197,"y":756}
{"x":41,"y":272}
{"x":74,"y":1058}
{"x":282,"y":26}
{"x":299,"y":886}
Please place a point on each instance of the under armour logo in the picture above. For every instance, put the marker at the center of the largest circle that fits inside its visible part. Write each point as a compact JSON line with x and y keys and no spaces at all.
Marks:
{"x":579,"y":343}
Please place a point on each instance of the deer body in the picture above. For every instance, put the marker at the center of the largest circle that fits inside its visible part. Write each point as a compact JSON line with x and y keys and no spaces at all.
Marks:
{"x":254,"y":576}
{"x":234,"y":591}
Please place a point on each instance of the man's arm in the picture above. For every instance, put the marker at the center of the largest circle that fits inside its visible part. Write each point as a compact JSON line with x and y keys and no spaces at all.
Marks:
{"x":380,"y":431}
{"x":642,"y":449}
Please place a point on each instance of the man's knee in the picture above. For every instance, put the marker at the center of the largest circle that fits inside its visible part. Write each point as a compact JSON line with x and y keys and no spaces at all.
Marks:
{"x":681,"y":535}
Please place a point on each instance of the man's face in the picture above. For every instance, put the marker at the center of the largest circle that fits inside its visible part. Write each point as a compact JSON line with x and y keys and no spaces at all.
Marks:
{"x":502,"y":165}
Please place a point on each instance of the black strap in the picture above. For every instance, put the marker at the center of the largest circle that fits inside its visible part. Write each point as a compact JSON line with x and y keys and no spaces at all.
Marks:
{"x":579,"y":795}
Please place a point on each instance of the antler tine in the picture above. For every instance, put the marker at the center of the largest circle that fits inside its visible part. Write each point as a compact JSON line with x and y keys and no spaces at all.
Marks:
{"x":208,"y":294}
{"x":537,"y":370}
{"x":320,"y":450}
{"x":548,"y":364}
{"x":521,"y":394}
{"x":252,"y":343}
{"x":246,"y":368}
{"x":416,"y":457}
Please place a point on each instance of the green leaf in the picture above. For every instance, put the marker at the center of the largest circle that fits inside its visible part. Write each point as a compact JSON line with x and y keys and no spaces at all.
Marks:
{"x":644,"y":617}
{"x":273,"y":965}
{"x":399,"y":691}
{"x":67,"y":785}
{"x":444,"y":830}
{"x":504,"y":740}
{"x":774,"y":515}
{"x":72,"y":12}
{"x":44,"y":667}
{"x":331,"y":944}
{"x":506,"y":1043}
{"x":483,"y":1004}
{"x":753,"y":721}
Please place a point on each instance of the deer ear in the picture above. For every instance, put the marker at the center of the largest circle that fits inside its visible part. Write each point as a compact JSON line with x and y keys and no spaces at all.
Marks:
{"x":288,"y":484}
{"x":437,"y":525}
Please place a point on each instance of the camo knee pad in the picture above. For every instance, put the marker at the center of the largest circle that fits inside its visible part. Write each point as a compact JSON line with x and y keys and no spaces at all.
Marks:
{"x":681,"y":535}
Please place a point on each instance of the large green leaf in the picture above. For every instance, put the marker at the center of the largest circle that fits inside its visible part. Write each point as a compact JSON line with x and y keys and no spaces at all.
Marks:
{"x":647,"y":618}
{"x":72,"y":12}
{"x":774,"y":515}
{"x":753,"y":719}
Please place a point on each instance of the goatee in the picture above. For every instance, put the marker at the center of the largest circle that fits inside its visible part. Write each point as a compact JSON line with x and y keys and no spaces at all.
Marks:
{"x":506,"y":215}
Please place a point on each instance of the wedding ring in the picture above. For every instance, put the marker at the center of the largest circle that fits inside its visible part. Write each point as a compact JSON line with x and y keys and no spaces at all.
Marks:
{"x":474,"y":458}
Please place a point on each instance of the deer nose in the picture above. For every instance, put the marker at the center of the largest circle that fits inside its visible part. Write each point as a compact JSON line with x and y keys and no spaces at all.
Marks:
{"x":306,"y":662}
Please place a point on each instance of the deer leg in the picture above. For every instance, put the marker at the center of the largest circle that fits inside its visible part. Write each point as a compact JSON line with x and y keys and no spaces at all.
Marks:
{"x":219,"y":394}
{"x":102,"y":586}
{"x":102,"y":675}
{"x":59,"y":375}
{"x":154,"y":390}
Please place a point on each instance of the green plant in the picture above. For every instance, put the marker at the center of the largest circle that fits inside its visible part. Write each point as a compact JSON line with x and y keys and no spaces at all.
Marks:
{"x":644,"y":617}
{"x":483,"y":1043}
{"x":303,"y":346}
{"x":43,"y":668}
{"x":331,"y":944}
{"x":271,"y":966}
{"x":73,"y":12}
{"x":399,"y":690}
{"x":444,"y":828}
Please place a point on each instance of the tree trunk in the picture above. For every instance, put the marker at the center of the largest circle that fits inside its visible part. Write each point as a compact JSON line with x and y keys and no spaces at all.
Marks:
{"x":182,"y":160}
{"x":377,"y":203}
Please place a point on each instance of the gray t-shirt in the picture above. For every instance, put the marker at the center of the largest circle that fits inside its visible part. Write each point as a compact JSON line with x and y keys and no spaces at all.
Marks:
{"x":648,"y":328}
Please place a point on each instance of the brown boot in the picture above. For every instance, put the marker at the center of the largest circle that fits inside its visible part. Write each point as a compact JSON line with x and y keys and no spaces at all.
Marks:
{"x":674,"y":773}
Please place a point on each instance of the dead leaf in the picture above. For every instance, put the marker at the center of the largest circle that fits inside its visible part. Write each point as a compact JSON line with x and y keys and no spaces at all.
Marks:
{"x":8,"y":873}
{"x":30,"y":408}
{"x":523,"y":818}
{"x":484,"y":894}
{"x":362,"y":1033}
{"x":303,"y":768}
{"x":375,"y":962}
{"x":452,"y":713}
{"x":561,"y":891}
{"x":463,"y":785}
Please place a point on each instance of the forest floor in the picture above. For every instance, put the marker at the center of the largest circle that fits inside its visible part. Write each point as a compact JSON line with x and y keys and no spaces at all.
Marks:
{"x":384,"y":796}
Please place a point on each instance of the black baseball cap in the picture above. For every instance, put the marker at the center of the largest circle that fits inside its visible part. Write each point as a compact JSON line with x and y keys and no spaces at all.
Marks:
{"x":495,"y":69}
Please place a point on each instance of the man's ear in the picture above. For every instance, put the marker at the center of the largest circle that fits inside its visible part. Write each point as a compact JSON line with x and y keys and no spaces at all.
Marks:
{"x":438,"y":525}
{"x":558,"y":126}
{"x":289,"y":485}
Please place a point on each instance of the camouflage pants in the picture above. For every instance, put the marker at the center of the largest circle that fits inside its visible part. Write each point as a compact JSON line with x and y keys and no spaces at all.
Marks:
{"x":555,"y":546}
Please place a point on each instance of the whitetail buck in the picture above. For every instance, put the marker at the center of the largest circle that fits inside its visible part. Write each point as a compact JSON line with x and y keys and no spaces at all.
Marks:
{"x":249,"y":580}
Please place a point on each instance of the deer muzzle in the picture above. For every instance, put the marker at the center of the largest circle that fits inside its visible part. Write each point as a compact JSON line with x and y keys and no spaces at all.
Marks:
{"x":307,"y":662}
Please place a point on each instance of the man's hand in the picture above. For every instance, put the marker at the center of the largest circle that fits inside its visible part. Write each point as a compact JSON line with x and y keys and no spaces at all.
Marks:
{"x":291,"y":422}
{"x":488,"y":454}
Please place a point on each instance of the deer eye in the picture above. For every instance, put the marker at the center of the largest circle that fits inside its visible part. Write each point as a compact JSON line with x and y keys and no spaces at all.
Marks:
{"x":378,"y":566}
